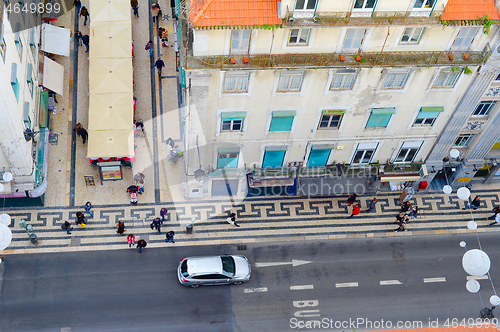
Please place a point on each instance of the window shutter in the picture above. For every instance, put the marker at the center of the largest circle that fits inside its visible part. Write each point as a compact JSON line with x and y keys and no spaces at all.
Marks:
{"x":273,"y":158}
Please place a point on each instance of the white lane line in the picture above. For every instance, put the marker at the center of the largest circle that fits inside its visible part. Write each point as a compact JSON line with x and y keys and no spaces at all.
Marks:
{"x":485,"y":277}
{"x":347,"y":284}
{"x":255,"y":290}
{"x":390,"y":282}
{"x":440,"y":279}
{"x":301,"y":287}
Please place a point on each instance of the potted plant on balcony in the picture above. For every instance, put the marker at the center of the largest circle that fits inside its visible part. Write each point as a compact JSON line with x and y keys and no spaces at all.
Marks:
{"x":466,"y":56}
{"x":315,"y":19}
{"x":450,"y":56}
{"x":342,"y":58}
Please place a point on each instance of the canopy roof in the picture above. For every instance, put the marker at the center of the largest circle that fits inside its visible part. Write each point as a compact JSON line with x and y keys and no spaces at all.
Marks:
{"x":111,"y":143}
{"x":110,"y":108}
{"x":108,"y":38}
{"x":111,"y":76}
{"x":110,"y":10}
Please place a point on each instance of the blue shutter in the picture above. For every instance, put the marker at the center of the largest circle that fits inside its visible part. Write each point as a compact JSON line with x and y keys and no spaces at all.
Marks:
{"x":273,"y":159}
{"x":281,"y":123}
{"x":227,"y":162}
{"x":318,"y":157}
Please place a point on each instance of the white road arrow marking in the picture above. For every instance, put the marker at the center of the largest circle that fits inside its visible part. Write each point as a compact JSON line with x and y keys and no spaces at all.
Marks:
{"x":294,"y":263}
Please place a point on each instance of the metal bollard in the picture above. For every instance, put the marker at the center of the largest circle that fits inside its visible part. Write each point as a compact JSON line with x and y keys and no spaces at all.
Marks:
{"x":189,"y":229}
{"x":33,"y":238}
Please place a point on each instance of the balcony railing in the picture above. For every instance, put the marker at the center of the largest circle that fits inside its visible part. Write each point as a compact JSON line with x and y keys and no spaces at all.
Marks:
{"x":324,"y":18}
{"x":272,"y":172}
{"x":401,"y":168}
{"x":326,"y":60}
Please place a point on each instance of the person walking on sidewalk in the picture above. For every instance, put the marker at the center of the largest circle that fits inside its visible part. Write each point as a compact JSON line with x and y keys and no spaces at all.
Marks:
{"x":67,"y":227}
{"x":121,"y":227}
{"x":356,"y":209}
{"x":400,"y":217}
{"x":158,"y":223}
{"x":163,"y":213}
{"x":130,"y":240}
{"x":159,"y":64}
{"x":372,"y":204}
{"x":170,"y":237}
{"x":78,"y":6}
{"x":405,"y":206}
{"x":475,"y":203}
{"x":78,"y":38}
{"x":413,"y":212}
{"x":141,"y":244}
{"x":84,"y":13}
{"x":402,"y":225}
{"x":135,"y":7}
{"x":149,"y":47}
{"x":495,"y":210}
{"x":139,"y":182}
{"x":351,"y":199}
{"x":155,"y":10}
{"x":232,"y":219}
{"x":497,"y":220}
{"x":86,"y":41}
{"x":87,"y":208}
{"x":83,"y":134}
{"x":80,"y":219}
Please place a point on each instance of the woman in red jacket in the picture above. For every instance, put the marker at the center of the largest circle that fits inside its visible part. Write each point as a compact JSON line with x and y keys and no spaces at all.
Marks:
{"x":356,"y":209}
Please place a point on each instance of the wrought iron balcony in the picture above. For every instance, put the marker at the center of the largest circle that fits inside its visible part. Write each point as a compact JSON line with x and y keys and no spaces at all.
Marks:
{"x":400,"y":168}
{"x":272,"y":172}
{"x":229,"y":173}
{"x":327,"y":60}
{"x":323,"y":18}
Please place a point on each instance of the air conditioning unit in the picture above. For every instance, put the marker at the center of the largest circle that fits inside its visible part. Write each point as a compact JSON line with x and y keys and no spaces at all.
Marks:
{"x":423,"y":172}
{"x":13,"y":74}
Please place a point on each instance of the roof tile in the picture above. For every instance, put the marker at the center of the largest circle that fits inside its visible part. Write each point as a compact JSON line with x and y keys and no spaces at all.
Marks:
{"x":456,"y":10}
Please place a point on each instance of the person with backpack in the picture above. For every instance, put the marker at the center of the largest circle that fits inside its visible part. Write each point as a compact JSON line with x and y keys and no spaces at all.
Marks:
{"x":121,"y":227}
{"x":495,"y":210}
{"x":141,"y":244}
{"x":232,"y":219}
{"x":475,"y":203}
{"x":85,"y":13}
{"x":86,"y":41}
{"x":372,"y":204}
{"x":67,"y":227}
{"x":170,"y":237}
{"x":88,"y":206}
{"x":158,"y":223}
{"x":149,"y":47}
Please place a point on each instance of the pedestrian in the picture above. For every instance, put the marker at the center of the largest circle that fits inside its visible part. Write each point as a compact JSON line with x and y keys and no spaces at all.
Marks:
{"x":405,"y":206}
{"x":139,"y":181}
{"x":130,"y":240}
{"x":83,"y":134}
{"x":121,"y":227}
{"x":475,"y":203}
{"x":85,"y":13}
{"x":133,"y":198}
{"x":414,"y":211}
{"x":497,"y":220}
{"x":163,"y":213}
{"x":135,"y":7}
{"x":351,"y":199}
{"x":80,"y":219}
{"x":400,"y":217}
{"x":86,"y":40}
{"x":158,"y":223}
{"x":78,"y":6}
{"x":232,"y":219}
{"x":149,"y":47}
{"x":356,"y":209}
{"x":78,"y":38}
{"x":170,"y":237}
{"x":155,"y":10}
{"x":372,"y":204}
{"x":495,"y":210}
{"x":67,"y":227}
{"x":159,"y":64}
{"x":87,"y":207}
{"x":402,"y":225}
{"x":141,"y":244}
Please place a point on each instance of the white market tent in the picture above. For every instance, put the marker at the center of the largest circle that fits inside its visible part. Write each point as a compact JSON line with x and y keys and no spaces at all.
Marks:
{"x":111,"y":110}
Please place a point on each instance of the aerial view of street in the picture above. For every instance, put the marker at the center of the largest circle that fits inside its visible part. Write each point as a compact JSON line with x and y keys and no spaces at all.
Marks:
{"x":249,"y":165}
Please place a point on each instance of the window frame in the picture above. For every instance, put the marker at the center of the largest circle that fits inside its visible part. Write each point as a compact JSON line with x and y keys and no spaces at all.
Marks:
{"x":424,"y":122}
{"x":299,"y":35}
{"x":228,"y":155}
{"x":423,"y":4}
{"x":491,"y":104}
{"x":344,"y":73}
{"x":388,"y":120}
{"x":295,"y":73}
{"x":236,"y":75}
{"x":3,"y":48}
{"x":360,"y":147}
{"x":468,"y":138}
{"x":351,"y":48}
{"x":395,"y":72}
{"x":448,"y":73}
{"x":239,"y":50}
{"x":410,"y":146}
{"x":410,"y":42}
{"x":282,"y":114}
{"x":462,"y":46}
{"x":29,"y":78}
{"x":232,"y":123}
{"x":306,"y":2}
{"x":333,"y":113}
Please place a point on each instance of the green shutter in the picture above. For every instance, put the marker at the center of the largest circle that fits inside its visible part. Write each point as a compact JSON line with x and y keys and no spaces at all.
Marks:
{"x":227,"y":116}
{"x":281,"y":123}
{"x":229,"y":149}
{"x":284,"y":113}
{"x":377,"y":111}
{"x":273,"y":159}
{"x":378,"y":120}
{"x":433,"y":109}
{"x":318,"y":157}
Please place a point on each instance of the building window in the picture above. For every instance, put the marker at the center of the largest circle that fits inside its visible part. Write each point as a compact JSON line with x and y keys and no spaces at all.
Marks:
{"x":447,"y":78}
{"x":14,"y":82}
{"x":290,"y":81}
{"x":227,"y":157}
{"x":273,"y":157}
{"x":464,"y":140}
{"x":232,"y":121}
{"x":299,"y":37}
{"x":236,"y":82}
{"x":412,"y":35}
{"x":2,"y":49}
{"x":240,"y":41}
{"x":17,"y":41}
{"x":396,"y":80}
{"x":26,"y":115}
{"x":354,"y":39}
{"x":364,"y":153}
{"x":427,"y":116}
{"x":424,"y":4}
{"x":498,"y":77}
{"x":282,"y":120}
{"x":331,"y":119}
{"x":29,"y":77}
{"x":343,"y":79}
{"x":408,"y":152}
{"x":464,"y":38}
{"x":364,"y":4}
{"x":32,"y":41}
{"x":380,"y":117}
{"x":484,"y":108}
{"x":305,"y":4}
{"x":318,"y":156}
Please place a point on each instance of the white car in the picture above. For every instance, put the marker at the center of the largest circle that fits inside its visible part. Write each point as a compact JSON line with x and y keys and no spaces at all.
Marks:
{"x":214,"y":270}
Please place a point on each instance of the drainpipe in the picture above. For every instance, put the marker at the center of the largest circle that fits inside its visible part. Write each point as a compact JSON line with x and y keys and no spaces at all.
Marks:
{"x":385,"y":41}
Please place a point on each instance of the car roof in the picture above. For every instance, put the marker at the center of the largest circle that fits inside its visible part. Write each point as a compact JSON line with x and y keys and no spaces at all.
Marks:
{"x":211,"y":264}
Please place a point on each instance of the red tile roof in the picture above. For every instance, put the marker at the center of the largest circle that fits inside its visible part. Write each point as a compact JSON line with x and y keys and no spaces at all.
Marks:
{"x":214,"y":13}
{"x":469,"y":10}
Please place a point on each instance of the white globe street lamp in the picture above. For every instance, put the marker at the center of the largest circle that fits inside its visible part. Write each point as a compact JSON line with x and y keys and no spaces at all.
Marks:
{"x":473,"y":286}
{"x":476,"y":262}
{"x":463,"y":193}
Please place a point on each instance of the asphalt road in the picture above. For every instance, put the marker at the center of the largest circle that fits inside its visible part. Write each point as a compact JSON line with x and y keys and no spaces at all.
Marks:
{"x":413,"y":280}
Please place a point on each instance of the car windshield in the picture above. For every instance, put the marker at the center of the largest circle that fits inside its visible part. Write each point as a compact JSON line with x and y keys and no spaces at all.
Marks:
{"x":184,"y":268}
{"x":228,"y":265}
